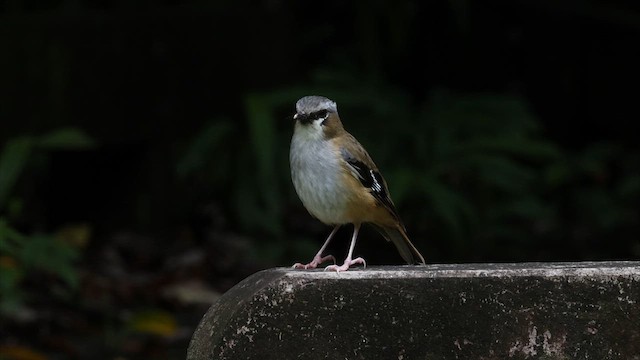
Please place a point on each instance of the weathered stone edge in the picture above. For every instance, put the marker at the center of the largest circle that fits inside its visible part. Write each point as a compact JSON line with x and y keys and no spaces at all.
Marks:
{"x":573,"y":269}
{"x":223,"y":310}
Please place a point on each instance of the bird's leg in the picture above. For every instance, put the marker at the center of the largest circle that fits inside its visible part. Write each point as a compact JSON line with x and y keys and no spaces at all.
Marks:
{"x":348,"y":261}
{"x":318,"y":259}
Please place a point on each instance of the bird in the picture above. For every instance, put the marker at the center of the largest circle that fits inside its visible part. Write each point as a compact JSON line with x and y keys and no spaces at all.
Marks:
{"x":339,"y":184}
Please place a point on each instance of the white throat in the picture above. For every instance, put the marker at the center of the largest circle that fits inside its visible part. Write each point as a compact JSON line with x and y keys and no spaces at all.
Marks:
{"x":312,"y":131}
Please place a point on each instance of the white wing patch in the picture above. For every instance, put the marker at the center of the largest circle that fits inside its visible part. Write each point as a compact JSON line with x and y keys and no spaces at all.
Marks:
{"x":376,"y":185}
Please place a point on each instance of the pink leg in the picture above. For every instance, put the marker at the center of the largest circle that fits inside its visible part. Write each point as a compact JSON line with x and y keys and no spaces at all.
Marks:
{"x":348,"y":261}
{"x":318,"y":259}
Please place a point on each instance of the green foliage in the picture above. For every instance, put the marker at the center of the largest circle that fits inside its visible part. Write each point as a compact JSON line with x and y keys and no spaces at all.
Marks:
{"x":12,"y":162}
{"x":484,"y":160}
{"x":23,"y":255}
{"x":17,"y":152}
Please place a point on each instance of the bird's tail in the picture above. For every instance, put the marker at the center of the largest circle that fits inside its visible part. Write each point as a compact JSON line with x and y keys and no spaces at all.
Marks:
{"x":399,"y":237}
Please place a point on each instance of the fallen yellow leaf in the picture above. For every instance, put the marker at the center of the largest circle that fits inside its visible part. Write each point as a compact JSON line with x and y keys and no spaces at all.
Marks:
{"x":156,"y":322}
{"x":17,"y":352}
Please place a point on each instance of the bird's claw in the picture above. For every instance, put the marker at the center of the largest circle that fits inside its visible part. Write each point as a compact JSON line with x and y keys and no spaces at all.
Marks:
{"x":346,"y":265}
{"x":314,"y":263}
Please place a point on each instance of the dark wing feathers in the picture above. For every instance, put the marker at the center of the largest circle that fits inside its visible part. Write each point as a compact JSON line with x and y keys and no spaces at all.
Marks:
{"x":370,"y":178}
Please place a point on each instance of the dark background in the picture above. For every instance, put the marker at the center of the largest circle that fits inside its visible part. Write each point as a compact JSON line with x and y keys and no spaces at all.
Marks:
{"x":144,"y":164}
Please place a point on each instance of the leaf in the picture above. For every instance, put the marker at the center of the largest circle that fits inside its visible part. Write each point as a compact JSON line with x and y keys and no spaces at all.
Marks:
{"x":9,"y":238}
{"x":10,"y":277}
{"x":18,"y":352}
{"x":16,"y":153}
{"x":76,"y":235}
{"x":45,"y":253}
{"x":66,"y":138}
{"x":13,"y":160}
{"x":191,"y":292}
{"x":154,"y":322}
{"x":263,"y":136}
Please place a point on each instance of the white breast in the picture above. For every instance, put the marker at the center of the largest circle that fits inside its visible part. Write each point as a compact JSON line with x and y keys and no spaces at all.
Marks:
{"x":316,"y":172}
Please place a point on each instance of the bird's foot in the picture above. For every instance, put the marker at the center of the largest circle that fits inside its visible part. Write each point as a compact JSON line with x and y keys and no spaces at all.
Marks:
{"x":317,"y":260}
{"x":346,"y":265}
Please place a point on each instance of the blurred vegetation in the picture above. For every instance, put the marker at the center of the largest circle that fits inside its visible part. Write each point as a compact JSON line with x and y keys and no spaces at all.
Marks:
{"x":23,"y":256}
{"x":503,"y":131}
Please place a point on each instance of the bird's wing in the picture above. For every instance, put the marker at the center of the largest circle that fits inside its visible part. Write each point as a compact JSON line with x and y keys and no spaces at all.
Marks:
{"x":363,"y":168}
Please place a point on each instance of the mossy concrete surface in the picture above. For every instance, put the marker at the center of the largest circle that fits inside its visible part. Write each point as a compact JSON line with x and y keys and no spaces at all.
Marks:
{"x":470,"y":311}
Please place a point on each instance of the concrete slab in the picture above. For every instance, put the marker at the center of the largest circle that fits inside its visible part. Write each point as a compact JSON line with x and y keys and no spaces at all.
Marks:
{"x":585,"y":310}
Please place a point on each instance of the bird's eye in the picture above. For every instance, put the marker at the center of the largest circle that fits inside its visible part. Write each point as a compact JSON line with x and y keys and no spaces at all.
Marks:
{"x":322,"y":114}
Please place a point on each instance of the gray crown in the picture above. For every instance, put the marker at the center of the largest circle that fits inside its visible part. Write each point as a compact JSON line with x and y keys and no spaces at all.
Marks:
{"x":311,"y":104}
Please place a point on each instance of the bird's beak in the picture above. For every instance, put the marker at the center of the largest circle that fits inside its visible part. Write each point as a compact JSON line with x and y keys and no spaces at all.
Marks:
{"x":295,"y":116}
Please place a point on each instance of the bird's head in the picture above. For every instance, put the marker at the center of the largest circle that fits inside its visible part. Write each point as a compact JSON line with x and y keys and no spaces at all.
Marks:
{"x":317,"y":116}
